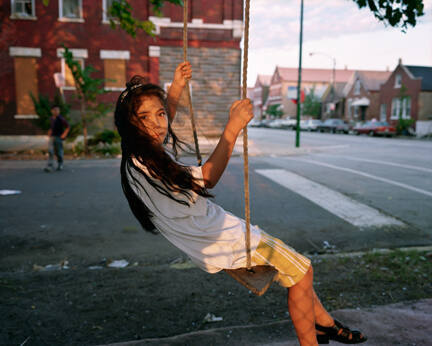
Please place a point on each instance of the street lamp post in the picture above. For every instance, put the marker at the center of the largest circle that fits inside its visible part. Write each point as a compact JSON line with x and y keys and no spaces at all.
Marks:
{"x":333,"y":81}
{"x":297,"y":143}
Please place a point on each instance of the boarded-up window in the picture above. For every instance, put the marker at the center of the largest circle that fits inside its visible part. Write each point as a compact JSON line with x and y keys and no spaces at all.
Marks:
{"x":115,"y":73}
{"x":69,"y":80}
{"x":25,"y":83}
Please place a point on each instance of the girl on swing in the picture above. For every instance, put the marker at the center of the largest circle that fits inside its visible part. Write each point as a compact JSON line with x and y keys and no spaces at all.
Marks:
{"x":170,"y":198}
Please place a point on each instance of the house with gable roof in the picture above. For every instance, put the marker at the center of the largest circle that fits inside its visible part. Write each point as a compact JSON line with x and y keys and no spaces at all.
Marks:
{"x":259,"y":94}
{"x":362,"y":93}
{"x":407,"y":93}
{"x":284,"y":79}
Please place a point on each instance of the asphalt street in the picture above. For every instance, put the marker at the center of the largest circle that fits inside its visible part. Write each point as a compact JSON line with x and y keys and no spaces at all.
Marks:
{"x":339,"y":192}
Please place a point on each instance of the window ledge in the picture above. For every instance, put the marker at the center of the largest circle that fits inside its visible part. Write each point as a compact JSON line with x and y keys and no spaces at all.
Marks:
{"x":69,"y":88}
{"x":114,"y":89}
{"x":71,"y":20}
{"x":26,"y":116}
{"x":107,"y":21}
{"x":18,"y":17}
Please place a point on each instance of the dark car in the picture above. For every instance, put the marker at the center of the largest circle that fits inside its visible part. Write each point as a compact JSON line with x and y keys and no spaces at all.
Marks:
{"x":334,"y":126}
{"x":375,"y":128}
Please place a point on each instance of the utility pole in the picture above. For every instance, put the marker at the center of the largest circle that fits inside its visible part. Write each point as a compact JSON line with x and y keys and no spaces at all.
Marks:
{"x":333,"y":80}
{"x":299,"y":78}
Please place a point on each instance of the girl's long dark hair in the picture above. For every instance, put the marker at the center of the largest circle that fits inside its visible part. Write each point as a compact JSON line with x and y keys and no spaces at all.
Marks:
{"x":137,"y":143}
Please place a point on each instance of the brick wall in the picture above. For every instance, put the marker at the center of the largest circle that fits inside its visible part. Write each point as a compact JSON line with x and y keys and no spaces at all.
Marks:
{"x":215,"y":86}
{"x":212,"y":24}
{"x":388,"y":92}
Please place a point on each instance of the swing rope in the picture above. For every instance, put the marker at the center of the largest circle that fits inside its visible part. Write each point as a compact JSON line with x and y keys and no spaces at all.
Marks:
{"x":185,"y":44}
{"x":245,"y":135}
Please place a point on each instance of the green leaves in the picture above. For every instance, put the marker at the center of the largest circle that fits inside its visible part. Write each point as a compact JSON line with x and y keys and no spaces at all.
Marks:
{"x":275,"y":110}
{"x":87,"y":86}
{"x":312,"y":104}
{"x":397,"y":13}
{"x":121,"y":14}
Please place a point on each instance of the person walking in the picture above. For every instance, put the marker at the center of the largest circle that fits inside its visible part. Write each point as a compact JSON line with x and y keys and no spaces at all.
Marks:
{"x":57,"y":133}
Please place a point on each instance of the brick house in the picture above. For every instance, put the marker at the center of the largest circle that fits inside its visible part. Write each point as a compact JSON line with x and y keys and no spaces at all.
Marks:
{"x":259,"y":94}
{"x":31,"y":53}
{"x":408,"y":93}
{"x":362,"y":94}
{"x":333,"y":101}
{"x":285,"y":79}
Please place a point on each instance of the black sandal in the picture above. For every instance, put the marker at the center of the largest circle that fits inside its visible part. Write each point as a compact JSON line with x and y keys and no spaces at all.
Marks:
{"x":339,"y":333}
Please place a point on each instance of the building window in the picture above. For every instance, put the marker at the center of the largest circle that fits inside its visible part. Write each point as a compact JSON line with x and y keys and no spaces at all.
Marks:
{"x":115,"y":74}
{"x":406,"y":107}
{"x":398,"y":81}
{"x":23,"y":9}
{"x":383,"y":112}
{"x":357,"y":87}
{"x":401,"y":107}
{"x":106,"y":4}
{"x":67,"y":74}
{"x":395,"y":108}
{"x":26,"y":81}
{"x":115,"y":68}
{"x":25,"y":84}
{"x":70,"y":10}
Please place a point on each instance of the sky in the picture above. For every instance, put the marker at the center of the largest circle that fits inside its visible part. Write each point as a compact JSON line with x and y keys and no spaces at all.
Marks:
{"x":335,"y":29}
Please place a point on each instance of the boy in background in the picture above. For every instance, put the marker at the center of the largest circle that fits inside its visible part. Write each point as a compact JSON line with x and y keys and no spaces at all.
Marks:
{"x":57,"y":133}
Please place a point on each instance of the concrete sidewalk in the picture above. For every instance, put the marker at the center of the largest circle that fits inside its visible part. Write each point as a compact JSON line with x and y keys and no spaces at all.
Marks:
{"x":254,"y":149}
{"x":405,"y":324}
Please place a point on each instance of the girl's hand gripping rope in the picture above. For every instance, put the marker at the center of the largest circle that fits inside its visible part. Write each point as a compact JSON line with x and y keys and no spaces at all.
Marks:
{"x":182,"y":74}
{"x":241,"y":113}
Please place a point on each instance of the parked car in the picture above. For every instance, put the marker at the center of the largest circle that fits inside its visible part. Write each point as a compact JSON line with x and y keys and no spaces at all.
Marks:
{"x":375,"y":128}
{"x":255,"y":123}
{"x":289,"y":123}
{"x":264,"y":123}
{"x":275,"y":124}
{"x":334,"y":126}
{"x":310,"y":125}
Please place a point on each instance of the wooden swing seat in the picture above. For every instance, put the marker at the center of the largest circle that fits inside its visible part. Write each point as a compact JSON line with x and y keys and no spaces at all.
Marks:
{"x":257,"y":279}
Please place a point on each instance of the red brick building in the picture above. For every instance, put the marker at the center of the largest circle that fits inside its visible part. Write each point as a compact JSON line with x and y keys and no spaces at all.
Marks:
{"x":408,"y":93}
{"x":362,"y":94}
{"x":259,"y":94}
{"x":284,"y":79}
{"x":31,"y":53}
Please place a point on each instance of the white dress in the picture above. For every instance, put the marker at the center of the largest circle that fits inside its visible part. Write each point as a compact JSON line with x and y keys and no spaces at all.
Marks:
{"x":213,"y":238}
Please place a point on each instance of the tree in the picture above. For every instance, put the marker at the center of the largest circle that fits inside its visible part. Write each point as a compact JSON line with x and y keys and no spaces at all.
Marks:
{"x":275,"y":111}
{"x":43,"y":106}
{"x":403,"y":125}
{"x":87,"y":90}
{"x":312,"y":104}
{"x":395,"y":13}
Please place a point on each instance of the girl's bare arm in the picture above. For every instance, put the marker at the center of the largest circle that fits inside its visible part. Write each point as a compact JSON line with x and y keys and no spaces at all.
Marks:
{"x":182,"y":74}
{"x":240,"y":114}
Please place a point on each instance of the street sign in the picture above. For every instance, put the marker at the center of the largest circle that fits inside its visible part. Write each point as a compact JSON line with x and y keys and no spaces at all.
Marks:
{"x":59,"y":80}
{"x":292,"y":94}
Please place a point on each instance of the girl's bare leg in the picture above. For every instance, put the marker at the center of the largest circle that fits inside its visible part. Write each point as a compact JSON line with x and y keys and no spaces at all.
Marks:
{"x":322,"y":317}
{"x":301,"y":308}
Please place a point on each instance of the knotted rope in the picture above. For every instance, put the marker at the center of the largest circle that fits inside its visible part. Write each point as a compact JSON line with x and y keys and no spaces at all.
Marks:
{"x":185,"y":44}
{"x":245,"y":135}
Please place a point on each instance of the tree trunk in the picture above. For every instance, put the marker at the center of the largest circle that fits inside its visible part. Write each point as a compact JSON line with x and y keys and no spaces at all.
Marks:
{"x":84,"y":124}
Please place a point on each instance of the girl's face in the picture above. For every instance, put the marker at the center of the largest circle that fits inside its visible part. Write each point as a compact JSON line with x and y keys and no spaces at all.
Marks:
{"x":152,"y":118}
